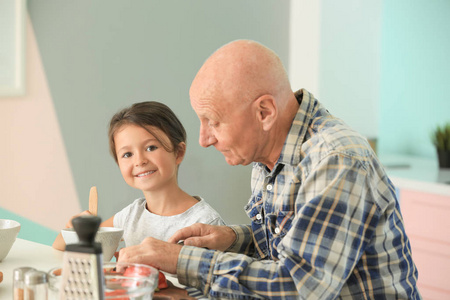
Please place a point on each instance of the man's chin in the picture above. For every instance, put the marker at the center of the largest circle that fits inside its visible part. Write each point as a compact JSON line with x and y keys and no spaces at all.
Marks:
{"x":236,"y":162}
{"x":231,"y":161}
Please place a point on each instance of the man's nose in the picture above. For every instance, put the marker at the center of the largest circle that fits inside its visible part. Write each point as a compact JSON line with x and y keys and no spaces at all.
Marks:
{"x":206,"y":137}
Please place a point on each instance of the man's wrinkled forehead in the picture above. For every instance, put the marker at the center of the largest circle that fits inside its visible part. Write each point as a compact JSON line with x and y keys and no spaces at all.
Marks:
{"x":204,"y":88}
{"x":208,"y":104}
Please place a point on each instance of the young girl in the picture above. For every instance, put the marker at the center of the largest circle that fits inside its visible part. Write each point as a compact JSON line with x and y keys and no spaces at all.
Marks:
{"x":148,"y":142}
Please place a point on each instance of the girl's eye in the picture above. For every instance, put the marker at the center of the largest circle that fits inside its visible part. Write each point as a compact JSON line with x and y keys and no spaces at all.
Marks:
{"x":126,"y":155}
{"x":151,"y":148}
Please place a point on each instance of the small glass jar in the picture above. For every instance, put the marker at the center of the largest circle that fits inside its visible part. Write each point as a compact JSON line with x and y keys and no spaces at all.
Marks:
{"x":18,"y":282}
{"x":36,"y":285}
{"x":54,"y":282}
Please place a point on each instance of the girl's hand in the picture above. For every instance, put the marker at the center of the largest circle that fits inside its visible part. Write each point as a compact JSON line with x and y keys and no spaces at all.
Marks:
{"x":84,"y":213}
{"x":59,"y":243}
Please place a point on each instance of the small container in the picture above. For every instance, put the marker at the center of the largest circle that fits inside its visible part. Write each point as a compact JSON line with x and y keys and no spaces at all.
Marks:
{"x":121,"y":281}
{"x":18,"y":282}
{"x":54,"y":282}
{"x":36,"y":285}
{"x":130,"y":281}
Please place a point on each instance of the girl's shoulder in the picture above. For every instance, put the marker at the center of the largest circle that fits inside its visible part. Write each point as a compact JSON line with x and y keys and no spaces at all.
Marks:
{"x":130,"y":211}
{"x":200,"y":204}
{"x":136,"y":205}
{"x":139,"y":202}
{"x":204,"y":207}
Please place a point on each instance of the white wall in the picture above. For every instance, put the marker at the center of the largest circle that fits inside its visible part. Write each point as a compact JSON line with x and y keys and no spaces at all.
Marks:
{"x":304,"y":46}
{"x":335,"y":53}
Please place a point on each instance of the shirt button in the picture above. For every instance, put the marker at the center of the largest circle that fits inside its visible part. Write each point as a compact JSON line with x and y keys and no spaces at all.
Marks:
{"x":269,"y":187}
{"x":277,"y":230}
{"x":258,"y":217}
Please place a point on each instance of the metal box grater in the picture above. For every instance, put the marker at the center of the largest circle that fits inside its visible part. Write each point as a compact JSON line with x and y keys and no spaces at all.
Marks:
{"x":82,"y":272}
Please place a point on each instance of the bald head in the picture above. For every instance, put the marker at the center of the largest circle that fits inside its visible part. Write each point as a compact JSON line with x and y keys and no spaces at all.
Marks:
{"x":242,"y":71}
{"x":245,"y":104}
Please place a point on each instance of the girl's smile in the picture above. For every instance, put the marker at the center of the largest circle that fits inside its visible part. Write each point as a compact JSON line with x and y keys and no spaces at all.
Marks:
{"x":145,"y":174}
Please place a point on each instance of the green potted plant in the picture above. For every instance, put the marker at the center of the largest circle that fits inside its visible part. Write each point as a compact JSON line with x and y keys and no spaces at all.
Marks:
{"x":441,"y":139}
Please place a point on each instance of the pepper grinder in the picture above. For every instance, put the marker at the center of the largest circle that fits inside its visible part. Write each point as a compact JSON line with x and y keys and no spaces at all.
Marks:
{"x":18,"y":282}
{"x":36,"y":285}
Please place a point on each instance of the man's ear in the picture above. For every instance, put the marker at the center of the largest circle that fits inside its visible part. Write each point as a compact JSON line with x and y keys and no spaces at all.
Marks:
{"x":180,"y":152}
{"x":266,"y":108}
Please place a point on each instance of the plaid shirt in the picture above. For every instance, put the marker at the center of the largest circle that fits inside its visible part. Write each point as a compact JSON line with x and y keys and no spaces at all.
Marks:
{"x":325,"y":224}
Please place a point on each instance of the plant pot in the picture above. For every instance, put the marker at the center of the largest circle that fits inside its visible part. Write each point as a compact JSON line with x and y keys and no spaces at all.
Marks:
{"x":444,"y":158}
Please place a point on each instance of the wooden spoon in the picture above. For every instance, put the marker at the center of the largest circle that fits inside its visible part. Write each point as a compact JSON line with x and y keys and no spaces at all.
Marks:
{"x":93,"y":200}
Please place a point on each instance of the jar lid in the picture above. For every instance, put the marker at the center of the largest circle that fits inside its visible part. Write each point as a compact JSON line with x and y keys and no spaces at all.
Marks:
{"x":35,"y":277}
{"x":20,"y":272}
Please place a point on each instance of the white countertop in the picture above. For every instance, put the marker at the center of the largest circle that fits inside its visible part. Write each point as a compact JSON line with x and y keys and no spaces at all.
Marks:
{"x":26,"y":254}
{"x":416,"y":173}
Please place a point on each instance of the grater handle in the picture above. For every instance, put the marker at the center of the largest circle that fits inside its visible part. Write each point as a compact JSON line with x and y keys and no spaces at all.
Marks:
{"x":86,"y":228}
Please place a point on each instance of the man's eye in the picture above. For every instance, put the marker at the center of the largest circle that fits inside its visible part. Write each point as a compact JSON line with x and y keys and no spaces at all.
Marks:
{"x":151,"y":148}
{"x":213,"y":124}
{"x":126,"y":155}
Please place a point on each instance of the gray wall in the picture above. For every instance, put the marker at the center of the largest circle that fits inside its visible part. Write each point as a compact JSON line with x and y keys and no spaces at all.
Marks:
{"x":102,"y":55}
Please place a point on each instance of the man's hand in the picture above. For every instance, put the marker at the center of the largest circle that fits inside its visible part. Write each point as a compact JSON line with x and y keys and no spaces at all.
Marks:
{"x":205,"y":236}
{"x":153,"y":252}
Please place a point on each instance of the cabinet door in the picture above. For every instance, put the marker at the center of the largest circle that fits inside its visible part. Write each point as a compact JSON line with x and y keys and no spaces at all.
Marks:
{"x":427,"y":223}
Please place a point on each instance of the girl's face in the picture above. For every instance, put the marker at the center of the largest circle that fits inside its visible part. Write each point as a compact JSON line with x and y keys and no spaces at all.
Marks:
{"x":143,"y":161}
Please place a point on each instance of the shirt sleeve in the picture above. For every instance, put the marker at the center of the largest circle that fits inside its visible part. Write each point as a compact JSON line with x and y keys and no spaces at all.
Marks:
{"x":232,"y":275}
{"x":330,"y":230}
{"x":244,"y":240}
{"x":118,"y":220}
{"x":121,"y":217}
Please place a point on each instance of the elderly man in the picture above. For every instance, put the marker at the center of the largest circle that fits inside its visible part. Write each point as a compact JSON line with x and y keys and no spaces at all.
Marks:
{"x":325,"y":221}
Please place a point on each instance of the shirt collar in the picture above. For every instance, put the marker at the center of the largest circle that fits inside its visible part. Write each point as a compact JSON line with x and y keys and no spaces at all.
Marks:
{"x":290,"y":154}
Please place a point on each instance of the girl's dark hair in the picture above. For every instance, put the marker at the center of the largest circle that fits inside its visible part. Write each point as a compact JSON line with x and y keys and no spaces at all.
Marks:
{"x":149,"y":115}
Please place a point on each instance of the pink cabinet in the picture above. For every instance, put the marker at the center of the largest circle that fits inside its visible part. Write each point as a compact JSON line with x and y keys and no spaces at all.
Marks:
{"x":427,"y":223}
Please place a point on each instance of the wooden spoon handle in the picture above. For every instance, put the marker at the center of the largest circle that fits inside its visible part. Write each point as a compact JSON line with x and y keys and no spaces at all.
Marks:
{"x":93,"y":200}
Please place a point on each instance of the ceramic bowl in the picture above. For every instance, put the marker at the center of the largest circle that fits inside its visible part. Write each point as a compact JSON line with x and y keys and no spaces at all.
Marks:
{"x":8,"y":233}
{"x":122,"y":281}
{"x":109,"y":237}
